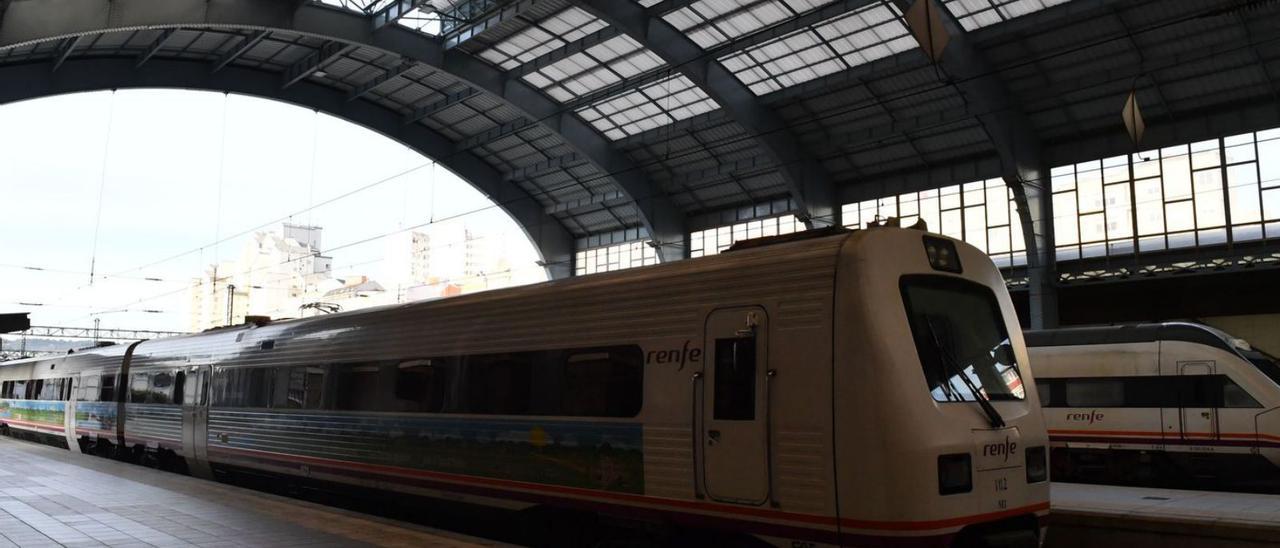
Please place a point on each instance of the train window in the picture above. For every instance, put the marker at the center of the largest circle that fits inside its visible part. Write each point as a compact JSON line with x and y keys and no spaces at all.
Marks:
{"x":424,"y":385}
{"x":6,"y":389}
{"x":606,"y":382}
{"x":34,"y":389}
{"x":179,"y":382}
{"x":357,"y":388}
{"x":1095,"y":393}
{"x":303,"y":388}
{"x":139,"y":387}
{"x":735,"y":382}
{"x":108,"y":388}
{"x":161,"y":390}
{"x":89,"y":389}
{"x":242,"y":387}
{"x":499,"y":384}
{"x":961,"y":340}
{"x":1044,"y":389}
{"x":18,"y":390}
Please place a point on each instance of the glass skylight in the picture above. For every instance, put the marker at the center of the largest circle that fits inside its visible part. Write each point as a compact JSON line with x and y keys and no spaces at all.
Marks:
{"x":713,"y":22}
{"x":975,"y":14}
{"x":551,"y":33}
{"x":651,"y":106}
{"x":860,"y":37}
{"x":598,"y":67}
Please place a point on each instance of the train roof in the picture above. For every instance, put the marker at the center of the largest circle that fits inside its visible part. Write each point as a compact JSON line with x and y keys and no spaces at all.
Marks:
{"x":1133,"y":333}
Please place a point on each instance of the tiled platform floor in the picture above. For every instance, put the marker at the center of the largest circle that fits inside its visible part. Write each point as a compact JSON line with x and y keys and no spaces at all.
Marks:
{"x":1138,"y":517}
{"x":52,"y":497}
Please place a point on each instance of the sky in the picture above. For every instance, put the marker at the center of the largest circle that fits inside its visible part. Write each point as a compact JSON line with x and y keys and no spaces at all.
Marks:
{"x":138,"y":184}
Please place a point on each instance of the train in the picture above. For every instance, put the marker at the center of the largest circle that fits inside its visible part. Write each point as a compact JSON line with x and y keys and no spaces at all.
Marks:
{"x":1176,"y":404}
{"x":824,"y":388}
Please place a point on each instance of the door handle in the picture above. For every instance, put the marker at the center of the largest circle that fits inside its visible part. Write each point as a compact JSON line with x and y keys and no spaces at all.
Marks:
{"x":713,"y":436}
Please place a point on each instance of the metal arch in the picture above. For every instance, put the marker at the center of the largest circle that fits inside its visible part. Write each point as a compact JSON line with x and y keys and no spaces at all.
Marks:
{"x":1022,"y":164}
{"x":35,"y":20}
{"x":549,"y":237}
{"x":810,"y":185}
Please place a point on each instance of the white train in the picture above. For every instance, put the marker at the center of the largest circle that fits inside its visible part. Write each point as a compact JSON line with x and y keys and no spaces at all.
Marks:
{"x":1178,"y":403}
{"x":860,"y":388}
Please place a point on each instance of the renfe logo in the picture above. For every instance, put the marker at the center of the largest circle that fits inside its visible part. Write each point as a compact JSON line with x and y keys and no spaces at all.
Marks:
{"x":682,"y":356}
{"x":1000,"y":449}
{"x":1090,"y":417}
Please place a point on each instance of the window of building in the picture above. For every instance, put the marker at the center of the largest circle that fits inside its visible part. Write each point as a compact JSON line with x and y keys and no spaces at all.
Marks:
{"x":715,"y":240}
{"x":1169,"y":198}
{"x":614,"y":257}
{"x":982,"y":213}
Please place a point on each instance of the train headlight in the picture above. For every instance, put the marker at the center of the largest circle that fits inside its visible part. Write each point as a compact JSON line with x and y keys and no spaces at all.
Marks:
{"x":942,"y":254}
{"x":1037,"y":469}
{"x":955,"y":474}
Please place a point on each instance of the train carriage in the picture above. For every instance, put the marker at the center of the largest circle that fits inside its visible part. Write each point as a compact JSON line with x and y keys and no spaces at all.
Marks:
{"x":862,"y":388}
{"x":1172,"y":403}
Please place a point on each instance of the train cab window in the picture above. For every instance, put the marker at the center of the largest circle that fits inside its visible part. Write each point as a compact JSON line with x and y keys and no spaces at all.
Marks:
{"x":1095,"y":393}
{"x":606,"y":382}
{"x":735,"y":382}
{"x":107,"y":388}
{"x":1235,"y":396}
{"x":961,"y":340}
{"x":424,"y":385}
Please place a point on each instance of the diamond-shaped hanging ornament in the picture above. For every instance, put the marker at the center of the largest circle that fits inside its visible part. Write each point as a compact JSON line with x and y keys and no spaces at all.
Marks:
{"x":1133,"y":122}
{"x":925,"y":22}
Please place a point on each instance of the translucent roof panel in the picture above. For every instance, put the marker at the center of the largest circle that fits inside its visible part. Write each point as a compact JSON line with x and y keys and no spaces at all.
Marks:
{"x":714,"y":22}
{"x":649,"y":107}
{"x":542,"y":37}
{"x":599,"y":66}
{"x":974,"y":14}
{"x":837,"y":44}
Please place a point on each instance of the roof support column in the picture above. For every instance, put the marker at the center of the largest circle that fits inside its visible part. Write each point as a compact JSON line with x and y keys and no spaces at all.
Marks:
{"x":1023,"y":167}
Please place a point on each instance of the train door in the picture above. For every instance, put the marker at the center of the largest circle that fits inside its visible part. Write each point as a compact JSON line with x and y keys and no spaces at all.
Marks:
{"x":195,"y":420}
{"x":735,"y":437}
{"x":69,"y":411}
{"x":1198,"y":421}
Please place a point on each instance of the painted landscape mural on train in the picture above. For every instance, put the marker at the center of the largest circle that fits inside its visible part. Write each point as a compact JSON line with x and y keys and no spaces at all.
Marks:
{"x":591,"y":455}
{"x":45,"y":412}
{"x":96,"y":415}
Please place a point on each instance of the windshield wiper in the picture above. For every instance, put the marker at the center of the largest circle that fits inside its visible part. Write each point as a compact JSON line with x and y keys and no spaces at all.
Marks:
{"x":952,"y":365}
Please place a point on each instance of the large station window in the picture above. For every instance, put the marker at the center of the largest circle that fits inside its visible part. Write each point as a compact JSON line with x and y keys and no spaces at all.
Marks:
{"x":1192,"y":195}
{"x":982,"y":213}
{"x":715,"y":240}
{"x":614,"y":257}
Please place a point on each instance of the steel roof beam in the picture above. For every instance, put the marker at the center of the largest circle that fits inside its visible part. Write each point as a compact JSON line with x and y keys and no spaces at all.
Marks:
{"x":394,"y":11}
{"x":550,"y":165}
{"x":1022,"y":164}
{"x":155,"y":46}
{"x":452,"y":99}
{"x":388,"y":75}
{"x":65,"y":47}
{"x":314,"y":61}
{"x":456,"y":36}
{"x":568,"y":50}
{"x":807,"y":180}
{"x":246,"y":44}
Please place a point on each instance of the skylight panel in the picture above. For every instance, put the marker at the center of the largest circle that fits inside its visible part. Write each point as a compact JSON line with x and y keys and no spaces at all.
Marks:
{"x":599,"y":66}
{"x":854,"y":39}
{"x":542,"y":37}
{"x":652,"y":106}
{"x":975,"y":14}
{"x":712,"y":22}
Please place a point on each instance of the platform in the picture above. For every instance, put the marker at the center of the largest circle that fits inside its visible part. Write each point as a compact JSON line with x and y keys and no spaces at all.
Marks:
{"x":52,"y":497}
{"x":1136,"y":517}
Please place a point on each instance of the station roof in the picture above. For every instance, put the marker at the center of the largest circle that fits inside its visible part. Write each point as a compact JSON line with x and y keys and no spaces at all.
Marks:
{"x":620,"y":115}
